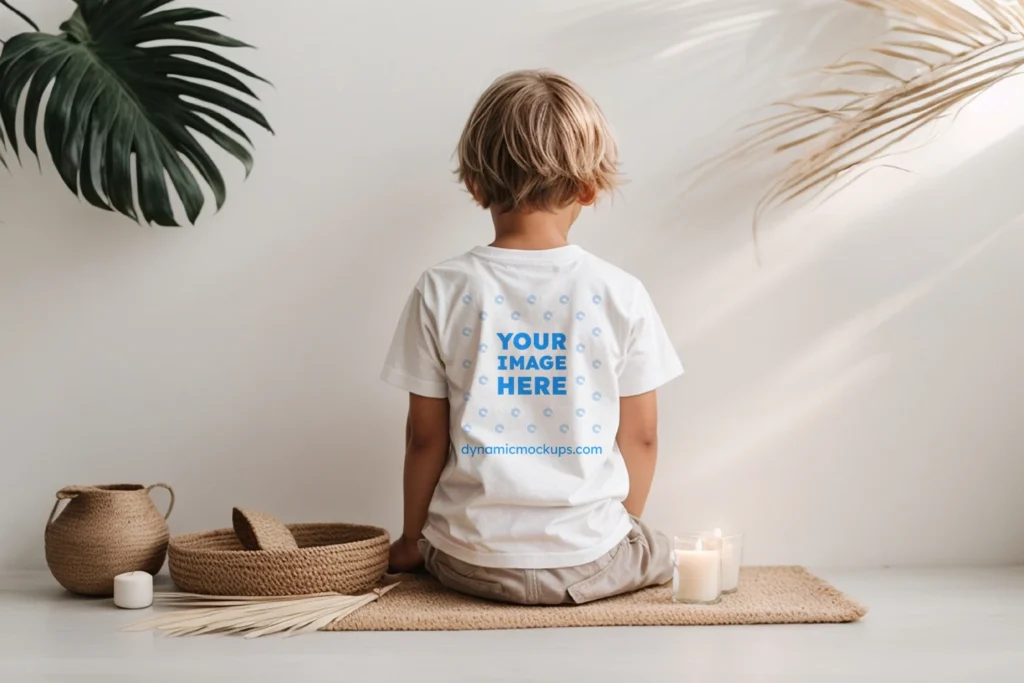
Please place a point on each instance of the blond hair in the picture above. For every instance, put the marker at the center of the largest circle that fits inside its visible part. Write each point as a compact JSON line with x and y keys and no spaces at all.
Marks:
{"x":536,"y":141}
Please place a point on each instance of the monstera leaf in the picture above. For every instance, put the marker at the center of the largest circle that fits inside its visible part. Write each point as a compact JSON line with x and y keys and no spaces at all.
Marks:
{"x":120,"y":103}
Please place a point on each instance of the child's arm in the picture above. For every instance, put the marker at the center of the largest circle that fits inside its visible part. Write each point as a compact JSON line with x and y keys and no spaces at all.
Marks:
{"x":426,"y":452}
{"x":638,"y":441}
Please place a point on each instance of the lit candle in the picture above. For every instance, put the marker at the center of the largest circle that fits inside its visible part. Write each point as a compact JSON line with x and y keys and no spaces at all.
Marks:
{"x":133,"y":590}
{"x":697,"y":577}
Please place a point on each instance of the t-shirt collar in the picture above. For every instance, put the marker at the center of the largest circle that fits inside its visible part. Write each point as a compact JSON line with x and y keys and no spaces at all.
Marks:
{"x":556,"y":255}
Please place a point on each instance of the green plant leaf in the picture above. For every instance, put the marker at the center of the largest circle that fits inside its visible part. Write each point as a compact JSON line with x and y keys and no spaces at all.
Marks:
{"x":123,"y":116}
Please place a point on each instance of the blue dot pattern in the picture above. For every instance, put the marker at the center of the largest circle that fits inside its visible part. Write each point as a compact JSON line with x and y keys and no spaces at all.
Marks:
{"x":580,"y":347}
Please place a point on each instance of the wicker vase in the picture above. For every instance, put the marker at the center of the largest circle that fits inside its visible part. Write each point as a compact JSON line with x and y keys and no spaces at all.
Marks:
{"x":105,"y":531}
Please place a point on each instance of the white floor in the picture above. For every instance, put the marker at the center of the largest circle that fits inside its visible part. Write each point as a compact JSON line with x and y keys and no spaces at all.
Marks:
{"x":930,"y":625}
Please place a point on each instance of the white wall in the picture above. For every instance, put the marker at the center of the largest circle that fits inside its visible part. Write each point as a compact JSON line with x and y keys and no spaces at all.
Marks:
{"x":855,"y":400}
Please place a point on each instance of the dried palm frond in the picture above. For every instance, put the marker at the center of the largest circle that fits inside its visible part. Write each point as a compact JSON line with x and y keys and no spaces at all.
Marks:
{"x":935,"y":58}
{"x":254,"y":616}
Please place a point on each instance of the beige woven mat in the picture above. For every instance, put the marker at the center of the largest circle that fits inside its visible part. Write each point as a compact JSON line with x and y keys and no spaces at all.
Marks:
{"x":767,"y":595}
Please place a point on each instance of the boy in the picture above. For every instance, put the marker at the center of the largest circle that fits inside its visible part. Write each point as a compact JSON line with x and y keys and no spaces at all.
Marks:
{"x":531,"y":368}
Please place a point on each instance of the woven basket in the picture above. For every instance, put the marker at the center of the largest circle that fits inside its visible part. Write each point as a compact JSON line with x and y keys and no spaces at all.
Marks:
{"x":341,"y":558}
{"x":105,"y":531}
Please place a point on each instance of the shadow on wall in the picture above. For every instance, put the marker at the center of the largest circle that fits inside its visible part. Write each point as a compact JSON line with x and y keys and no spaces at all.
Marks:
{"x":692,"y":73}
{"x":895,"y":295}
{"x":909,"y":237}
{"x":777,"y":37}
{"x":714,"y":48}
{"x":874,"y":351}
{"x":767,"y":34}
{"x":833,"y":360}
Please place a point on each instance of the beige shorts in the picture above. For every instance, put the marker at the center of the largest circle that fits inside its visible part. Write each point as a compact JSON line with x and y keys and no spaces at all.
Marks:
{"x":641,"y":559}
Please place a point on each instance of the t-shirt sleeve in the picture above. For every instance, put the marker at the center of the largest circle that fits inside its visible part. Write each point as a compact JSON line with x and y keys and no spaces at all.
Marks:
{"x":414,"y":362}
{"x":650,"y":360}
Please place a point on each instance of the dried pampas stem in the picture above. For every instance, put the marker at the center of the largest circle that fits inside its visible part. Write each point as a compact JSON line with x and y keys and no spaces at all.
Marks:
{"x":253,"y":616}
{"x":936,"y":58}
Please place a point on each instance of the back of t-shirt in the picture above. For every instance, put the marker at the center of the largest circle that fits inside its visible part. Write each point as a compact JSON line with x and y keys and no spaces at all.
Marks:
{"x":533,"y":349}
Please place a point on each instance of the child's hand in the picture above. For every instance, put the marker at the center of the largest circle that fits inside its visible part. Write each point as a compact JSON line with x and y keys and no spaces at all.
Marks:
{"x":404,"y":556}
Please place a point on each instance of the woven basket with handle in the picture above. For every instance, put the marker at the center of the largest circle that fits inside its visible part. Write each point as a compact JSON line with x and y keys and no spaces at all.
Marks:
{"x":105,"y":531}
{"x":341,"y":558}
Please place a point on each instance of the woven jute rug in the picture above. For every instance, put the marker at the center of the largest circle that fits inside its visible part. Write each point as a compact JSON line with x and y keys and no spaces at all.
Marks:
{"x":767,"y":595}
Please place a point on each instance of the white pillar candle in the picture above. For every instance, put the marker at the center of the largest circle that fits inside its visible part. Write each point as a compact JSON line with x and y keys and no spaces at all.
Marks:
{"x":732,"y":557}
{"x":697,"y":577}
{"x":730,"y":566}
{"x":133,"y":590}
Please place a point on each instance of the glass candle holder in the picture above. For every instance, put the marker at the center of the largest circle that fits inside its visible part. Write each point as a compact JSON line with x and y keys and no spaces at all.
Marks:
{"x":696,"y":571}
{"x":731,"y":547}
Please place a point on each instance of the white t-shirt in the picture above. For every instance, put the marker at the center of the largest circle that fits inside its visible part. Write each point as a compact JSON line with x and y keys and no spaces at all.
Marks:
{"x":533,"y":349}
